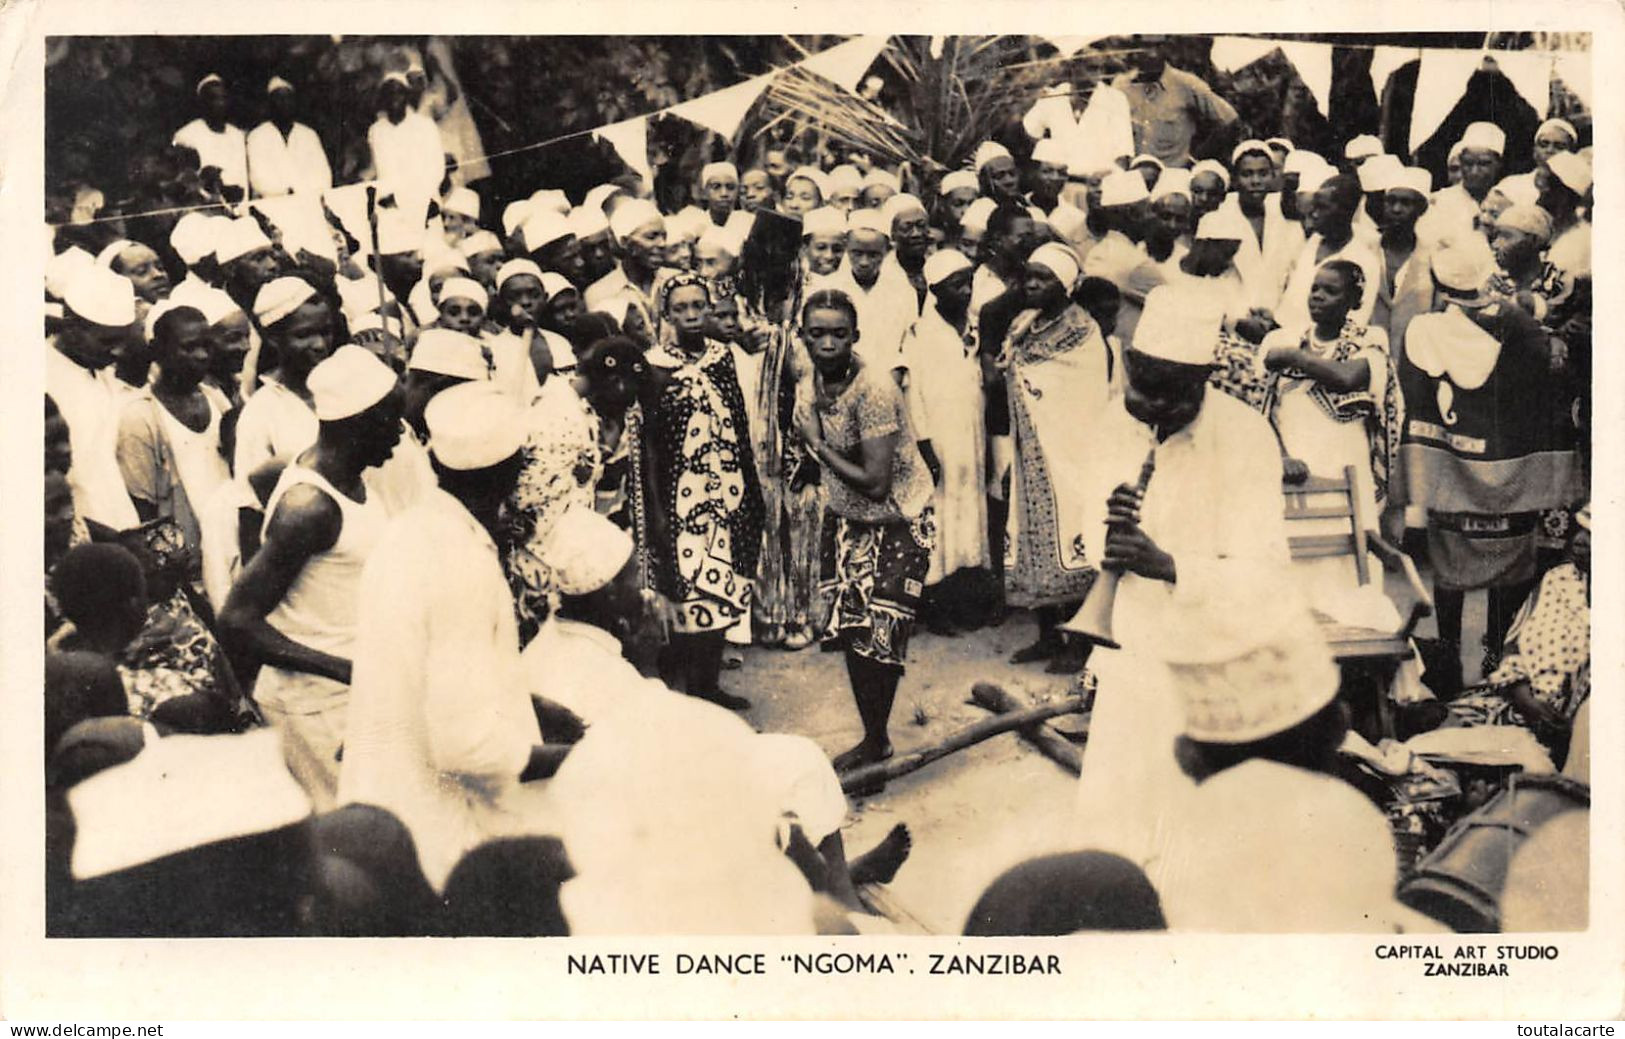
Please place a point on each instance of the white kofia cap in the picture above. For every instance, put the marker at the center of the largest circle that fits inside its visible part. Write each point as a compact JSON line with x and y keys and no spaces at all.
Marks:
{"x":474,"y":425}
{"x":445,"y":352}
{"x":280,"y":297}
{"x":1178,"y":326}
{"x":585,"y":551}
{"x":1123,"y":188}
{"x":944,"y":264}
{"x":101,"y":297}
{"x":349,"y":382}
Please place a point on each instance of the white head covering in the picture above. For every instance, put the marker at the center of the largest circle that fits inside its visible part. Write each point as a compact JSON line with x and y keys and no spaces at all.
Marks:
{"x":1455,"y":152}
{"x":481,"y":241}
{"x":1531,"y":220}
{"x":882,"y":178}
{"x":1172,"y":182}
{"x":1464,"y":265}
{"x":1179,"y":326}
{"x":462,"y":200}
{"x":956,"y":180}
{"x":987,"y":151}
{"x":182,"y":792}
{"x":238,"y":238}
{"x":1516,"y":190}
{"x":1217,"y":169}
{"x":1223,"y":224}
{"x":1572,"y":169}
{"x":277,"y":83}
{"x":464,"y":288}
{"x":1238,"y":689}
{"x":1378,"y":170}
{"x":445,"y":352}
{"x":61,"y":268}
{"x":1146,"y":159}
{"x":944,"y":264}
{"x":444,"y":261}
{"x":714,"y":237}
{"x":815,"y":175}
{"x":1282,"y":143}
{"x":215,"y":304}
{"x":585,"y":551}
{"x":631,"y":216}
{"x":554,"y":283}
{"x":1252,"y":144}
{"x":1302,"y":161}
{"x":1068,"y":221}
{"x":1060,"y":261}
{"x":845,"y":177}
{"x":901,"y":205}
{"x":599,"y":195}
{"x":101,"y":297}
{"x":1410,"y":178}
{"x":513,"y":215}
{"x":724,"y":171}
{"x":149,"y":324}
{"x":280,"y":297}
{"x":544,"y":226}
{"x":977,"y":214}
{"x":587,"y":221}
{"x":551,"y":199}
{"x":399,"y":233}
{"x":474,"y":425}
{"x":1313,"y":178}
{"x":349,"y":382}
{"x":213,"y":77}
{"x":823,"y":220}
{"x":1051,"y":151}
{"x":1559,"y":124}
{"x":1362,"y":147}
{"x":1123,"y":188}
{"x":1485,"y":137}
{"x":516,"y":267}
{"x":193,"y":237}
{"x":869,"y":220}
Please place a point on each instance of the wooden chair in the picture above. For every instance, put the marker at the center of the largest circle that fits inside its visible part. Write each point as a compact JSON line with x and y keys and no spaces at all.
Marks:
{"x":1334,"y":502}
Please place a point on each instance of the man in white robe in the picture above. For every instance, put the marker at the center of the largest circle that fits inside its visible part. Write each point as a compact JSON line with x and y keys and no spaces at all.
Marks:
{"x":219,"y":145}
{"x":441,"y":730}
{"x":285,"y":156}
{"x":1208,"y":525}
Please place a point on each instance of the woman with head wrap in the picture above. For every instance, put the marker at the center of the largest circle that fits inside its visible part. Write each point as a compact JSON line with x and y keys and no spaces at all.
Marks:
{"x":1058,"y":372}
{"x":1524,"y":275}
{"x":706,"y":521}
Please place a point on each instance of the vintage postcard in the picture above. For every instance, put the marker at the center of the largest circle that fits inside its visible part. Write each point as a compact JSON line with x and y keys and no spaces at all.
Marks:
{"x":717,"y":510}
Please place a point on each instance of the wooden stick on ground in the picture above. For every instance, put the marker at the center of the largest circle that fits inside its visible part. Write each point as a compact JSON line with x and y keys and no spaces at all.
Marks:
{"x":903,"y":764}
{"x":1049,"y":742}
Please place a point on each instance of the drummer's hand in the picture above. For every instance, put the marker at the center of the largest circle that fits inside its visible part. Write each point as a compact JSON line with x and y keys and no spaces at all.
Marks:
{"x":1129,"y":549}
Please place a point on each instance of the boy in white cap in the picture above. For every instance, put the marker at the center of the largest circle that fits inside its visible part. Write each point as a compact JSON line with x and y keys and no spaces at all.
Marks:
{"x":879,"y":186}
{"x":823,"y":243}
{"x":1265,"y":256}
{"x":1048,"y":174}
{"x":277,"y":421}
{"x":946,"y":403}
{"x":886,"y":301}
{"x":597,"y":243}
{"x":98,"y":318}
{"x":293,"y":608}
{"x":1407,"y":282}
{"x":220,"y":146}
{"x":550,"y":242}
{"x":285,"y":156}
{"x":1120,"y":256}
{"x":1180,"y":566}
{"x":441,"y":729}
{"x":460,"y":213}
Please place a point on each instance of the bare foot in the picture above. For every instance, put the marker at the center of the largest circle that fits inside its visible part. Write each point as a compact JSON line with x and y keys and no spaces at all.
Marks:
{"x":1043,"y":649}
{"x":879,"y":864}
{"x":863,"y":754}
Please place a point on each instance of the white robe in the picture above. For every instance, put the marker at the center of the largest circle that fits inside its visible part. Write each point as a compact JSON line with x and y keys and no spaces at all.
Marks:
{"x":1264,"y":265}
{"x":946,"y":405}
{"x":1131,"y":789}
{"x":440,"y":724}
{"x":227,"y":150}
{"x":90,"y":403}
{"x":280,"y":165}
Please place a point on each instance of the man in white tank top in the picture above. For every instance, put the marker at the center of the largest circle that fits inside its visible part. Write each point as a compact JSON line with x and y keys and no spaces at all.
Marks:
{"x":293,"y":609}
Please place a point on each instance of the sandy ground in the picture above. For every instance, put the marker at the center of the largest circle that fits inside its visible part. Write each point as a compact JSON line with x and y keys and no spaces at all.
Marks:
{"x":976,"y":812}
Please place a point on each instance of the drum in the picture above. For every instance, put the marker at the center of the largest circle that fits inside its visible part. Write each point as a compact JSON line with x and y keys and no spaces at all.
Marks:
{"x":1460,"y":883}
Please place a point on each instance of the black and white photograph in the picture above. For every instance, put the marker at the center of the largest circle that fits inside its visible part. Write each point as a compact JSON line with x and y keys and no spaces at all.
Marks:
{"x":860,"y":487}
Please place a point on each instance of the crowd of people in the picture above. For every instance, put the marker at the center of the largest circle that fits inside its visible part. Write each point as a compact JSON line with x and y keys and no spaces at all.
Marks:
{"x":416,"y":539}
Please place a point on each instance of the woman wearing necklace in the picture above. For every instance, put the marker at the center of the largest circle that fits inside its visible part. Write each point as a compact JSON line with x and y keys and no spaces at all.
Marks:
{"x":706,"y":522}
{"x":1334,"y":400}
{"x":877,"y":536}
{"x":1058,"y":370}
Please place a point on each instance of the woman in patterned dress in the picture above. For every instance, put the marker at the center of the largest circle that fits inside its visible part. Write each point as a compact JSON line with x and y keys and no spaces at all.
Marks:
{"x":877,"y":536}
{"x":1544,"y":674}
{"x":1057,"y":367}
{"x":706,"y":517}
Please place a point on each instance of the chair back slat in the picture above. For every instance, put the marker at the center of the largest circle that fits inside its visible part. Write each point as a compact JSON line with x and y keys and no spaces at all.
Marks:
{"x":1347,"y":507}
